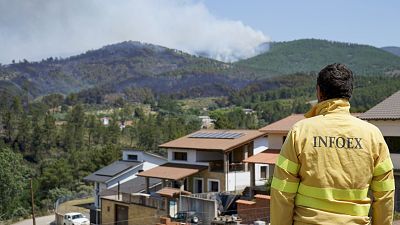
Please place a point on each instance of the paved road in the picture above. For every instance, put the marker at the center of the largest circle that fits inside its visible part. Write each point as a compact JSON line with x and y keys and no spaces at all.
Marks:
{"x":44,"y":220}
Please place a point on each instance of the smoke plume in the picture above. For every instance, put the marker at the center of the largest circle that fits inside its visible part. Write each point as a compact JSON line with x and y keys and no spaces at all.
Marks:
{"x":37,"y":29}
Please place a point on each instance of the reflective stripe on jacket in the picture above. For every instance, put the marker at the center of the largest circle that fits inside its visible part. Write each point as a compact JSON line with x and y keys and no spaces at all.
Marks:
{"x":327,"y":167}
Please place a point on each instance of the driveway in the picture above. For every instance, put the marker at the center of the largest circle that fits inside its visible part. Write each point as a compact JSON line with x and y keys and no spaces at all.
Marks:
{"x":44,"y":220}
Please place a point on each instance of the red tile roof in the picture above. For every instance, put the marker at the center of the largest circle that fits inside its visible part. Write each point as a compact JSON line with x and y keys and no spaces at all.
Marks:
{"x":282,"y":126}
{"x":388,"y":109}
{"x":266,"y":157}
{"x":172,"y":171}
{"x":187,"y":142}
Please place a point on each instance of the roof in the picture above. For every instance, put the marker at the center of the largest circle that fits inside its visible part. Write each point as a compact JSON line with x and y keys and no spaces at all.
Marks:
{"x":172,"y":171}
{"x":388,"y":109}
{"x":145,"y":152}
{"x":106,"y":173}
{"x":222,"y":144}
{"x":265,"y":157}
{"x":135,"y":185}
{"x":172,"y":192}
{"x":283,"y":125}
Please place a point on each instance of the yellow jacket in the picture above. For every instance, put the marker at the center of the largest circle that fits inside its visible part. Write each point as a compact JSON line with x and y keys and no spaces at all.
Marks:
{"x":327,"y":167}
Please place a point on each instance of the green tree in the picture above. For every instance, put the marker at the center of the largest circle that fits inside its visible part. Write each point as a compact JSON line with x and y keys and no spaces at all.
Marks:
{"x":24,"y":133}
{"x":92,"y":124}
{"x":74,"y":130}
{"x":13,"y":181}
{"x":53,"y":100}
{"x":11,"y":118}
{"x":57,"y":173}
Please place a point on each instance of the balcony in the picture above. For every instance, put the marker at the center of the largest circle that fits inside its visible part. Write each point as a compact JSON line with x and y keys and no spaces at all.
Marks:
{"x":236,"y":167}
{"x":216,"y":166}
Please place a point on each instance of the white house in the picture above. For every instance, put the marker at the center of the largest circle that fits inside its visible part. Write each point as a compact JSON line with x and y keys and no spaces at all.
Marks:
{"x":386,"y":116}
{"x":122,"y":174}
{"x":209,"y":160}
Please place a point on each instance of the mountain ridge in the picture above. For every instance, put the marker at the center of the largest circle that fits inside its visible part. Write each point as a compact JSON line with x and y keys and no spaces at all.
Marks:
{"x":311,"y":55}
{"x":392,"y":49}
{"x":127,"y":65}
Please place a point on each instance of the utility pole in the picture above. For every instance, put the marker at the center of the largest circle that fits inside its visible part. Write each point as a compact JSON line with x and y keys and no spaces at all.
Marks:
{"x":33,"y":205}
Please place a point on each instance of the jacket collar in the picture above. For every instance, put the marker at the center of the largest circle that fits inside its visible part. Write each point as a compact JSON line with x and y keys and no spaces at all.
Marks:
{"x":336,"y":105}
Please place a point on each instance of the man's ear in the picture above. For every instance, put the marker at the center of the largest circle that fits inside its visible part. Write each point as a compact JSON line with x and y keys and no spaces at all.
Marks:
{"x":320,"y":95}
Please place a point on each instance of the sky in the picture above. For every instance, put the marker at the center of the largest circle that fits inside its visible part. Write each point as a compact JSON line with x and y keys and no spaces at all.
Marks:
{"x":371,"y":22}
{"x":226,"y":30}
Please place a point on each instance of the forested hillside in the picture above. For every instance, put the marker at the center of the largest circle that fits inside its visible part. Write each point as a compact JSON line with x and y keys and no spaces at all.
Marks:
{"x":392,"y":49}
{"x":130,"y":70}
{"x":291,"y":93}
{"x":118,"y":67}
{"x":311,"y":55}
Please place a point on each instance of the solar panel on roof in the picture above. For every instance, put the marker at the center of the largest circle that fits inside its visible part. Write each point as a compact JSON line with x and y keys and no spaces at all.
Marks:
{"x":217,"y":135}
{"x":115,"y":168}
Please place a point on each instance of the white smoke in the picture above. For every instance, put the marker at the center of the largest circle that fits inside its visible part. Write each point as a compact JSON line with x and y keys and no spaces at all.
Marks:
{"x":37,"y":29}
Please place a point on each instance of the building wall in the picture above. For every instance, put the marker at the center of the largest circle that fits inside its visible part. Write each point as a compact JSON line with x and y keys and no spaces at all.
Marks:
{"x":206,"y":209}
{"x":275,"y":141}
{"x":206,"y":175}
{"x":238,"y":180}
{"x":387,"y":127}
{"x":209,"y":155}
{"x":137,"y":215}
{"x":191,"y":157}
{"x":143,"y":157}
{"x":98,"y":188}
{"x":260,"y":144}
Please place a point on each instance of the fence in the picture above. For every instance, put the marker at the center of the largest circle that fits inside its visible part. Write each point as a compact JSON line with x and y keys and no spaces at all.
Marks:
{"x":135,"y":198}
{"x":59,"y":218}
{"x":205,"y":209}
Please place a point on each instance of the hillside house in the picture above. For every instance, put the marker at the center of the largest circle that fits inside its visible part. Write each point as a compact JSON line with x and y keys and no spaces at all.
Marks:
{"x":206,"y":122}
{"x":105,"y":120}
{"x":386,"y":116}
{"x":209,"y":160}
{"x":124,"y":123}
{"x":121,"y":176}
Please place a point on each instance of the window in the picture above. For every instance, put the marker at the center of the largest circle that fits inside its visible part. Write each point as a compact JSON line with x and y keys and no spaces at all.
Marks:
{"x":182,"y":156}
{"x":198,"y":185}
{"x":213,"y":185}
{"x":132,"y":157}
{"x":393,"y":144}
{"x":263,"y":172}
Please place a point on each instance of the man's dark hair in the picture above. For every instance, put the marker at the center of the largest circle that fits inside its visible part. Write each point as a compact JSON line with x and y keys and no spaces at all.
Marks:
{"x":335,"y":81}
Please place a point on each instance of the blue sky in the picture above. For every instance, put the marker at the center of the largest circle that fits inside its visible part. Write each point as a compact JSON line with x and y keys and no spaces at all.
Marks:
{"x":370,"y":22}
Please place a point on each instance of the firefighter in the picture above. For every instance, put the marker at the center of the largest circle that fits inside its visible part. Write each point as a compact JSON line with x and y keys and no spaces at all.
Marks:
{"x":333,"y":166}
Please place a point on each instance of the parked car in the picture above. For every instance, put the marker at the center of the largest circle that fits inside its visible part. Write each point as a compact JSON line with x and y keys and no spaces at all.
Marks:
{"x":188,"y":217}
{"x":75,"y":218}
